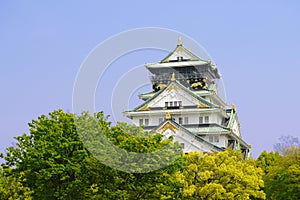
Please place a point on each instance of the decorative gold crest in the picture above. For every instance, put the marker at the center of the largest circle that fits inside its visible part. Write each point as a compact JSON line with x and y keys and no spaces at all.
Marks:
{"x":179,"y":43}
{"x":167,"y":126}
{"x":197,"y":84}
{"x":161,"y":86}
{"x":168,"y":115}
{"x":233,"y":107}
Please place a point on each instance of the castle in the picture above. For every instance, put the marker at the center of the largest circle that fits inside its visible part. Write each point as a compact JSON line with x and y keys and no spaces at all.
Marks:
{"x":184,"y":103}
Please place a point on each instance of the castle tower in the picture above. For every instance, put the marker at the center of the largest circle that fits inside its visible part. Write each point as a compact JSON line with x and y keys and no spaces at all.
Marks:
{"x":184,"y":103}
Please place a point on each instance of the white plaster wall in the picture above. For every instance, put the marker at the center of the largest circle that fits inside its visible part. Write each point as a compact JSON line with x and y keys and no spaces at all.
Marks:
{"x":173,"y":95}
{"x":192,"y":118}
{"x":190,"y":143}
{"x":222,"y":140}
{"x":235,"y":128}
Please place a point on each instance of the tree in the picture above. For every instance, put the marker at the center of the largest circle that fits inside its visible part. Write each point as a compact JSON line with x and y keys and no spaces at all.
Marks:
{"x":151,"y":185}
{"x":125,"y":147}
{"x":266,"y":160}
{"x":223,"y":175}
{"x":13,"y":189}
{"x":55,"y":163}
{"x":283,"y":178}
{"x":59,"y":159}
{"x":50,"y":157}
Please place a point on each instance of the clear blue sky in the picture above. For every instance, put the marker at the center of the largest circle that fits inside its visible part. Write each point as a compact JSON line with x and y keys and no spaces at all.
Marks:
{"x":256,"y":45}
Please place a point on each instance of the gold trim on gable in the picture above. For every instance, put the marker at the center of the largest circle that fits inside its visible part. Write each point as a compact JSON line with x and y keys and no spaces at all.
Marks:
{"x":172,"y":87}
{"x":167,"y":126}
{"x":202,"y":105}
{"x":145,"y":107}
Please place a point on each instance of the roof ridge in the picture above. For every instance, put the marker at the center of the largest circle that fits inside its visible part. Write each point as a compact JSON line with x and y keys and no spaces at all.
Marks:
{"x":185,"y":50}
{"x":183,"y":88}
{"x":196,"y":136}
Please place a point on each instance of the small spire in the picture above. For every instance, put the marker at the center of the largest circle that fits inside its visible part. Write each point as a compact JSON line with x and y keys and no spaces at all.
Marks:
{"x":173,"y":77}
{"x":179,"y":41}
{"x":168,"y":115}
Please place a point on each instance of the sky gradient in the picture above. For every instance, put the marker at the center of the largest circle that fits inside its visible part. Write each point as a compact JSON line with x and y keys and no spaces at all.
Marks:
{"x":255,"y":44}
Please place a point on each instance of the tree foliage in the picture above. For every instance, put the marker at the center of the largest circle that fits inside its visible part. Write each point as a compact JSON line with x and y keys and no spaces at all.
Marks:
{"x":56,"y":165}
{"x":12,"y":189}
{"x":223,"y":175}
{"x":50,"y":157}
{"x":125,"y":147}
{"x":266,"y":160}
{"x":52,"y":162}
{"x":282,"y":180}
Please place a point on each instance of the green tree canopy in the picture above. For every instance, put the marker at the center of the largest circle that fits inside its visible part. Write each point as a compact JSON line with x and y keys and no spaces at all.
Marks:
{"x":282,"y":180}
{"x":12,"y":189}
{"x":52,"y":162}
{"x":266,"y":160}
{"x":56,"y":165}
{"x":50,"y":157}
{"x":223,"y":175}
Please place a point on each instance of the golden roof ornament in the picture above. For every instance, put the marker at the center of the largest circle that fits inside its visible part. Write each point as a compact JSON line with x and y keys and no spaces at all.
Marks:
{"x":179,"y":41}
{"x":233,"y":107}
{"x":168,"y":115}
{"x":173,"y":77}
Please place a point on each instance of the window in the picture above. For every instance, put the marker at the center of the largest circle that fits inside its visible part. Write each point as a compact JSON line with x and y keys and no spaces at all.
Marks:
{"x":200,"y":120}
{"x":186,"y":120}
{"x":180,"y":120}
{"x":173,"y":104}
{"x":179,"y":103}
{"x":206,"y":119}
{"x":211,"y":138}
{"x":216,"y":138}
{"x":146,"y":122}
{"x":160,"y":120}
{"x":141,"y":122}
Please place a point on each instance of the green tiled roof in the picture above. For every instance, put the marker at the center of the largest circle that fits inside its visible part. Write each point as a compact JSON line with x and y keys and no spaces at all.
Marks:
{"x":181,"y":48}
{"x":146,"y":95}
{"x":209,"y":129}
